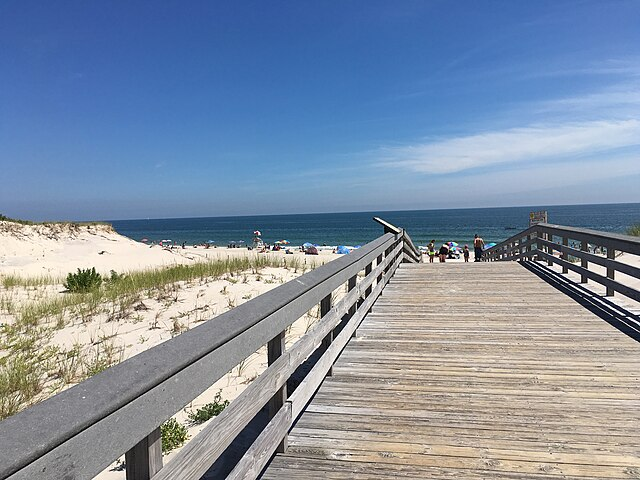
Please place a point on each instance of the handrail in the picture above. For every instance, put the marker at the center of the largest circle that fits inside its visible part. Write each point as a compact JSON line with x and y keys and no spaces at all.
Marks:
{"x":79,"y":432}
{"x":542,"y":235}
{"x":413,"y":253}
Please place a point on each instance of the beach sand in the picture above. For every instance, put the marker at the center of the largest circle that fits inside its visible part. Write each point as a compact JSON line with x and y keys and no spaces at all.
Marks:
{"x":37,"y":251}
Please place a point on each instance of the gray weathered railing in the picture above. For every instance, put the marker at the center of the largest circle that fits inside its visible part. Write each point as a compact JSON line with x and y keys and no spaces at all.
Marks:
{"x":81,"y":431}
{"x":411,"y":252}
{"x":540,"y":241}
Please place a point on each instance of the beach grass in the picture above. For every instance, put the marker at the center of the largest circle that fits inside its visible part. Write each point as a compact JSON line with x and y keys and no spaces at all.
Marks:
{"x":4,"y":218}
{"x":14,"y":281}
{"x":29,"y":364}
{"x":634,"y":230}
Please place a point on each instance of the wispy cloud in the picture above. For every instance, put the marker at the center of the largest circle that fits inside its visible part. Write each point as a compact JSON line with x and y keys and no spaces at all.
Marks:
{"x":619,"y":100}
{"x":516,"y":145}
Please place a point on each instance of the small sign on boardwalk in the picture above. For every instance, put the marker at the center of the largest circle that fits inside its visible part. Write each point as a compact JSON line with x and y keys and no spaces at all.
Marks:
{"x":537,"y":217}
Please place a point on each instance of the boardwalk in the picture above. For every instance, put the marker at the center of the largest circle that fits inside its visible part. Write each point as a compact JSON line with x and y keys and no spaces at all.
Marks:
{"x":473,"y":371}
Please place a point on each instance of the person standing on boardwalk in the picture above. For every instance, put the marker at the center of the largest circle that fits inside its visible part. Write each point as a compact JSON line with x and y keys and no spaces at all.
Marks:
{"x":465,"y":252}
{"x":478,"y":243}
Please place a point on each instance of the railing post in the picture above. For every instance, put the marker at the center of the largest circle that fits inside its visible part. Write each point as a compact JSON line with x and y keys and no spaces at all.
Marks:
{"x":565,"y":242}
{"x":549,"y":249}
{"x":351,"y":284}
{"x":540,"y":246}
{"x":144,"y":460}
{"x":386,"y":255}
{"x":584,"y":246}
{"x":325,"y":306}
{"x":275,"y":349}
{"x":367,"y":270}
{"x":611,"y":255}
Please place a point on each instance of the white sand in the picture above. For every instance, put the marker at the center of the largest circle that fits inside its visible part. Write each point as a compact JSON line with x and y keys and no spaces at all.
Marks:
{"x":55,"y":250}
{"x":36,"y":251}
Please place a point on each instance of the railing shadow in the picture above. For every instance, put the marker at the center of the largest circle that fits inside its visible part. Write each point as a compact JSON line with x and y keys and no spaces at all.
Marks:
{"x":615,"y":315}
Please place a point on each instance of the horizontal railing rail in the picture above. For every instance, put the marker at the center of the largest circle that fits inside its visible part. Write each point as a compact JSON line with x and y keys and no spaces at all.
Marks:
{"x":587,"y":246}
{"x":411,"y":252}
{"x":79,"y":432}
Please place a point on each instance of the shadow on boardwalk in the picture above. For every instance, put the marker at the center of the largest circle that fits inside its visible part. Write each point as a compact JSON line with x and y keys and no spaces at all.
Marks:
{"x":617,"y":316}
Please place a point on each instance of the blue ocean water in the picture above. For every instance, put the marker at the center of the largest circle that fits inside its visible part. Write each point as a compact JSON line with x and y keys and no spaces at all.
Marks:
{"x":458,"y":225}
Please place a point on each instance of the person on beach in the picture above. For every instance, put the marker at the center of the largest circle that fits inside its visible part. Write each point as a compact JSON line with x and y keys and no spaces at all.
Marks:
{"x":431,"y":250}
{"x":465,"y":252}
{"x":478,"y":243}
{"x":444,"y":251}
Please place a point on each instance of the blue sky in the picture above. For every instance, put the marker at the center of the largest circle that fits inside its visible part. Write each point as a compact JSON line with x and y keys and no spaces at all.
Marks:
{"x":128,"y":109}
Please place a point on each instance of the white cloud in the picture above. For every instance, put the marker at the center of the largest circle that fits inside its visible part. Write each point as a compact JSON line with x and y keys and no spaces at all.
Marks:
{"x":621,"y":100}
{"x":516,"y":145}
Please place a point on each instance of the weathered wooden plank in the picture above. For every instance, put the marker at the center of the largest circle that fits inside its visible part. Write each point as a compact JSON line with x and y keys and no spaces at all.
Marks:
{"x":313,"y":379}
{"x":145,"y":459}
{"x":257,"y":456}
{"x":199,"y":454}
{"x":523,"y":383}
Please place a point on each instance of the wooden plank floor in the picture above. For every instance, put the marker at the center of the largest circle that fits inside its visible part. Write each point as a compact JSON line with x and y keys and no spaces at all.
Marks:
{"x":473,"y":371}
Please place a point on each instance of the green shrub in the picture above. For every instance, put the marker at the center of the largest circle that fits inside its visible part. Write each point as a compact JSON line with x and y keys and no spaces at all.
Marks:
{"x":210,"y":410}
{"x":83,"y":281}
{"x":173,"y":435}
{"x":634,"y":230}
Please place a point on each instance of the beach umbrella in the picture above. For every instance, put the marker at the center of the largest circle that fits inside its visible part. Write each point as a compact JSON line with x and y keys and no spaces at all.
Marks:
{"x":285,"y":242}
{"x":489,"y":245}
{"x":307,"y":245}
{"x":211,"y":241}
{"x":144,"y":240}
{"x":453,"y":244}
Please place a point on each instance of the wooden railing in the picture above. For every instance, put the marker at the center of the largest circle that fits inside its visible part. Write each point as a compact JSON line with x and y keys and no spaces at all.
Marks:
{"x":81,"y":431}
{"x":541,"y":241}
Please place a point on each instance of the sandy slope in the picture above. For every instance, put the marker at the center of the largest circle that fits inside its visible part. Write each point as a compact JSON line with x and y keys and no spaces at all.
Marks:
{"x":57,"y":249}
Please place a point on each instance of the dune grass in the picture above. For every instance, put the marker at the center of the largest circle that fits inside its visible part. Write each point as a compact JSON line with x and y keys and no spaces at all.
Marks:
{"x":29,"y":365}
{"x":4,"y":218}
{"x":634,"y":230}
{"x":13,"y":281}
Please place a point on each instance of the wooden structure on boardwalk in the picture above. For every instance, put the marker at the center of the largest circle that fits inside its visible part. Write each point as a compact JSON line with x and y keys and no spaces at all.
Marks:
{"x":481,"y":370}
{"x":473,"y":371}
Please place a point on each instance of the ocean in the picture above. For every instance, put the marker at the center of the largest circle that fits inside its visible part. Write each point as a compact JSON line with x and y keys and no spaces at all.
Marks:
{"x":358,"y":228}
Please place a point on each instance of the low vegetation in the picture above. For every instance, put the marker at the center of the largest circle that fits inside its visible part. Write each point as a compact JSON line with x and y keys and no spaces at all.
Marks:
{"x":174,"y":434}
{"x":208,"y":411}
{"x":32,"y":369}
{"x":634,"y":230}
{"x":13,"y":281}
{"x":4,"y":218}
{"x":83,"y":281}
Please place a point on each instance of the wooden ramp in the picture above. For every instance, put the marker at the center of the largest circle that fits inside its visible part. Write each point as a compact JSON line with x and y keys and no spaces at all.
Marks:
{"x":473,"y":371}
